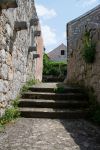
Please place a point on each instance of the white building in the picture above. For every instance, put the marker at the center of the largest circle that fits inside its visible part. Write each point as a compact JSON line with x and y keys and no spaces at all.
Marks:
{"x":59,"y":54}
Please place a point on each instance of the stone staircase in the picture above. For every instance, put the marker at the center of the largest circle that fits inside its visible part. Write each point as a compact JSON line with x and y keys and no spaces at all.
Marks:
{"x":43,"y":102}
{"x":53,"y":79}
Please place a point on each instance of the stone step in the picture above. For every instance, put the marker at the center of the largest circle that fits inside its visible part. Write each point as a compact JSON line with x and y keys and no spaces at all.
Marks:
{"x":52,"y":79}
{"x":42,"y":103}
{"x":54,"y":96}
{"x":52,"y":90}
{"x":53,"y":113}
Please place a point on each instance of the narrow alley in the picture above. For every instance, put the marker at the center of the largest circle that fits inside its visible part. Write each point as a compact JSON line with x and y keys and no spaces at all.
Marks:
{"x":50,"y":134}
{"x":49,"y":75}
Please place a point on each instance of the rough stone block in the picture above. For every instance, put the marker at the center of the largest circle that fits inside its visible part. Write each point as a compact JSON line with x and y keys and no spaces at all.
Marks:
{"x":2,"y":42}
{"x":36,"y":56}
{"x":3,"y":86}
{"x":10,"y":74}
{"x":32,"y":48}
{"x":5,"y":4}
{"x":9,"y":30}
{"x":9,"y":59}
{"x":2,"y":111}
{"x":1,"y":97}
{"x":22,"y":25}
{"x":37,"y":33}
{"x":2,"y":56}
{"x":3,"y":104}
{"x":34,"y":21}
{"x":4,"y":71}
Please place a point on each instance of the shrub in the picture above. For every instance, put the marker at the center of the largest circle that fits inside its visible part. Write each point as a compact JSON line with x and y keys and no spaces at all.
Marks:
{"x":89,"y":47}
{"x":53,"y":68}
{"x":15,"y":102}
{"x":10,"y":113}
{"x":27,"y":85}
{"x":24,"y":89}
{"x":89,"y":53}
{"x":31,"y":82}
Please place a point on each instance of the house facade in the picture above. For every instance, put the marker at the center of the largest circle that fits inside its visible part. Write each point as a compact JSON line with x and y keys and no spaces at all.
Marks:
{"x":58,"y":54}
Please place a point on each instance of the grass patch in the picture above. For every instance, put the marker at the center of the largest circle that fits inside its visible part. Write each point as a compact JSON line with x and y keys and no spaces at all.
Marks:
{"x":27,"y":85}
{"x":11,"y":114}
{"x":15,"y":102}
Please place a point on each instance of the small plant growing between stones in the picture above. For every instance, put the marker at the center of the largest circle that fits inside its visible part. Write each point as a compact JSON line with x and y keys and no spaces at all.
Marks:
{"x":11,"y":113}
{"x":1,"y":127}
{"x":27,"y":85}
{"x":15,"y":102}
{"x":59,"y":90}
{"x":89,"y":47}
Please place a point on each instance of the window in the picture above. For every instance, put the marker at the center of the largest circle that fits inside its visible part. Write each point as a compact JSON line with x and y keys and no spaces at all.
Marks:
{"x":62,"y":52}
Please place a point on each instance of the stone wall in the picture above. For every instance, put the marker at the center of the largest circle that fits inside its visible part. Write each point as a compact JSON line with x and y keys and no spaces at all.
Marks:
{"x":78,"y":70}
{"x":16,"y":64}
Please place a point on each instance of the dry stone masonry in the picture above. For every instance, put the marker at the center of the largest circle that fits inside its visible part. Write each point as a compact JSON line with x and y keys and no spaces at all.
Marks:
{"x":17,"y":48}
{"x":78,"y":70}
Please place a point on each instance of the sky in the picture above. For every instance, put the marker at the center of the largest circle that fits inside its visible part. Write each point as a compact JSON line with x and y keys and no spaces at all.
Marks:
{"x":55,"y":14}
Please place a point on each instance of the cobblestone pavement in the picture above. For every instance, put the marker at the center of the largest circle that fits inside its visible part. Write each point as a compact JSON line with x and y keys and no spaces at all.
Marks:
{"x":46,"y":134}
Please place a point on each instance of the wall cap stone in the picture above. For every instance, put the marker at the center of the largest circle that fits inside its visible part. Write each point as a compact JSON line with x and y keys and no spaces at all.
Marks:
{"x":84,"y":15}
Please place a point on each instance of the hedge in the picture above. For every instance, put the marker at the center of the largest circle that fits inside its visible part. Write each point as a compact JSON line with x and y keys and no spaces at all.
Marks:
{"x":53,"y":68}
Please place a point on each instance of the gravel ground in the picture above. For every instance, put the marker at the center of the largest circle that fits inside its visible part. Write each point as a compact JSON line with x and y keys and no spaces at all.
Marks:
{"x":48,"y":134}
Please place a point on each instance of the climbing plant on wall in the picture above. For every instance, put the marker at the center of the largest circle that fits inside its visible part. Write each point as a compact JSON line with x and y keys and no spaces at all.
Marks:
{"x":89,"y":47}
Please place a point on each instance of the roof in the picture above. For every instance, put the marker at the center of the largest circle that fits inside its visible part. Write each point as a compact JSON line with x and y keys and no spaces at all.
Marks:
{"x":60,"y":47}
{"x":85,"y":14}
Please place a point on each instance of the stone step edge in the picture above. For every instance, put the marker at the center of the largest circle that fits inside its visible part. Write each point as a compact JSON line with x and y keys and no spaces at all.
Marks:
{"x":50,"y":114}
{"x":59,"y":94}
{"x":49,"y":110}
{"x":54,"y":88}
{"x":52,"y":101}
{"x":66,"y":87}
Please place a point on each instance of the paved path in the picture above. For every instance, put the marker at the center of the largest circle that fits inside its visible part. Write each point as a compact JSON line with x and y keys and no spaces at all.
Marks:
{"x":46,"y":134}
